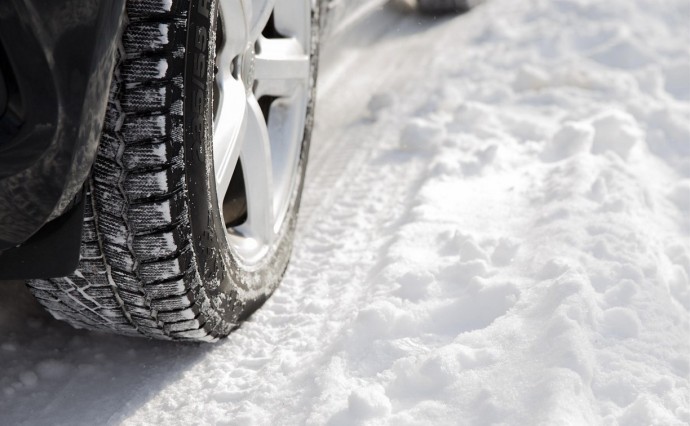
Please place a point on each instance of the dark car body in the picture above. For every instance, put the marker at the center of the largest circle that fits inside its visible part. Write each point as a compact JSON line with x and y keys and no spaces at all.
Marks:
{"x":56,"y":61}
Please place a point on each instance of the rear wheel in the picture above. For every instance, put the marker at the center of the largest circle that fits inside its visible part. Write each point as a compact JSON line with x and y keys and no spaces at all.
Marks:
{"x":193,"y":199}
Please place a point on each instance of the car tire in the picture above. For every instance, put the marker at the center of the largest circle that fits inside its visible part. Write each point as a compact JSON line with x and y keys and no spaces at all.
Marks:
{"x":160,"y":258}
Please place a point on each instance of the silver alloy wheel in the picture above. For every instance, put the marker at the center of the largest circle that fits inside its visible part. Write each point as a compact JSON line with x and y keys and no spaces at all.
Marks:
{"x":262,"y":57}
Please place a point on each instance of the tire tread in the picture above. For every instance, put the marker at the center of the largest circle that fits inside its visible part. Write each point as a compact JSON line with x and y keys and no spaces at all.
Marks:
{"x":137,"y":272}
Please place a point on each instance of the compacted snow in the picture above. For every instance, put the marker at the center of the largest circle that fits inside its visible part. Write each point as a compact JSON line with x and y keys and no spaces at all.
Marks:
{"x":496,"y":229}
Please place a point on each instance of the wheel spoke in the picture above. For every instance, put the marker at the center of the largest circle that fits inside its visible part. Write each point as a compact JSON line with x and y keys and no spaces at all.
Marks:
{"x":280,"y":66}
{"x":236,"y":17}
{"x":286,"y":130}
{"x":228,"y":132}
{"x":258,"y":175}
{"x":260,"y":13}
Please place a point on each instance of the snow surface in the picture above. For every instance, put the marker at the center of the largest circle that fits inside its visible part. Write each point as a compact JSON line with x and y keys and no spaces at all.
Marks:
{"x":496,"y":229}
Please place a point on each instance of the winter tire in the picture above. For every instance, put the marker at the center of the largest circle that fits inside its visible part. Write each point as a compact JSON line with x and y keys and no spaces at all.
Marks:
{"x":192,"y":202}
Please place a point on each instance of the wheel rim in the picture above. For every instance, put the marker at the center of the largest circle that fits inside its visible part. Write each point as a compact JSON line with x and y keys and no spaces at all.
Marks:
{"x":261,"y":93}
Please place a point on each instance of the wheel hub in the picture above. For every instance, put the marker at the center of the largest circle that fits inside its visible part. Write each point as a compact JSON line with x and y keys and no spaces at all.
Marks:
{"x":245,"y":64}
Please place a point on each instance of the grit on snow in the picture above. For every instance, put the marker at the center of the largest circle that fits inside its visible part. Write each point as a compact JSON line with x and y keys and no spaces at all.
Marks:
{"x":496,"y":229}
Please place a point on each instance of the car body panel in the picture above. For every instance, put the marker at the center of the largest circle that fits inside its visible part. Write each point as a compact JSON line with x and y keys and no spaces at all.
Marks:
{"x":59,"y":56}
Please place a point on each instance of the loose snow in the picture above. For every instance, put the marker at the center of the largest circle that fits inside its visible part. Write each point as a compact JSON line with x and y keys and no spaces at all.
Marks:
{"x":495,"y":230}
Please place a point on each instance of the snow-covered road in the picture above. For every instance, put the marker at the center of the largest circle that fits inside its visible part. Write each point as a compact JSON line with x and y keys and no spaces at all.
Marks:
{"x":496,"y":229}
